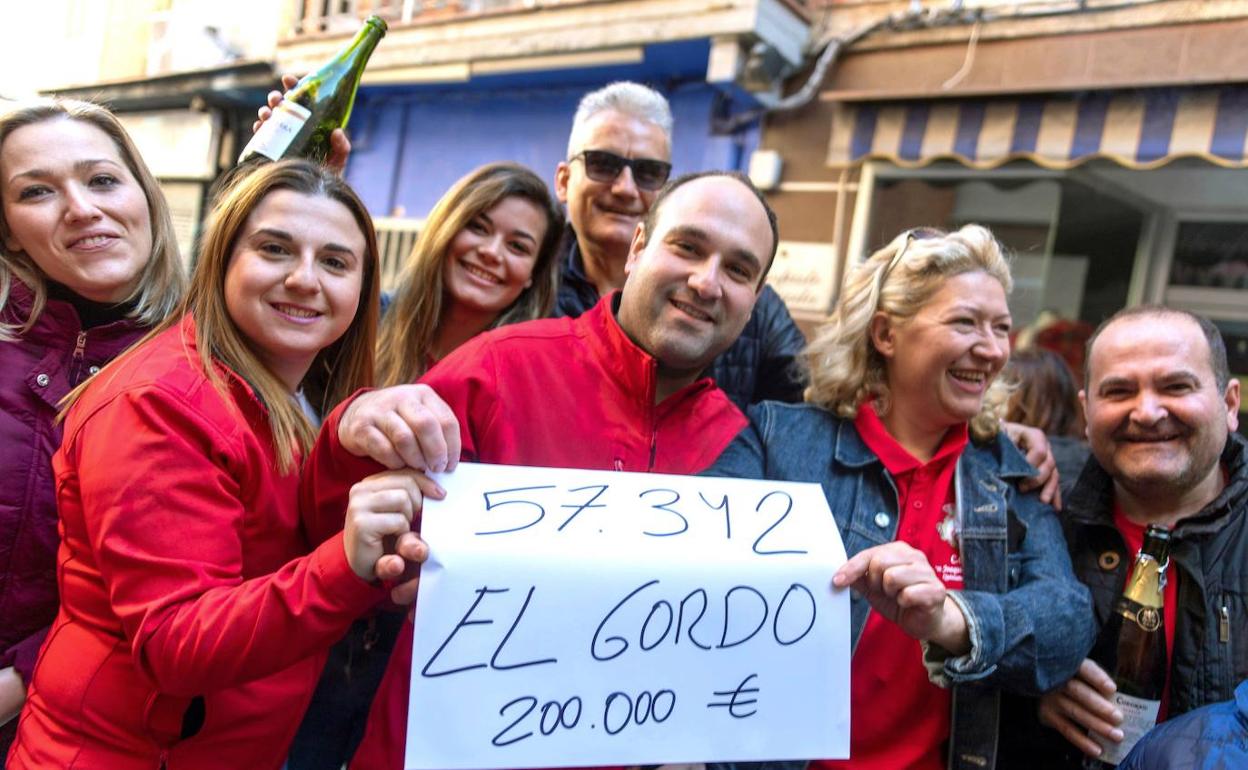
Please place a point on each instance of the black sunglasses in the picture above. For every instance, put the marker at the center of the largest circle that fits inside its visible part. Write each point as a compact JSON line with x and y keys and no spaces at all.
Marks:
{"x":603,"y":166}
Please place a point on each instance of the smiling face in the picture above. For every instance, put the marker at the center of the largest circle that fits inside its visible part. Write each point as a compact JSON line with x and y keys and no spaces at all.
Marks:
{"x":490,"y":261}
{"x":692,"y":283}
{"x":940,"y":362}
{"x":293,"y":281}
{"x":1157,"y":421}
{"x":605,"y":214}
{"x":74,"y":208}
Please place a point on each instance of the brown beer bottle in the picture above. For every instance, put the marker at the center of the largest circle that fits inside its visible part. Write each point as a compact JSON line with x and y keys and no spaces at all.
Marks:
{"x":319,"y":103}
{"x":1139,"y":652}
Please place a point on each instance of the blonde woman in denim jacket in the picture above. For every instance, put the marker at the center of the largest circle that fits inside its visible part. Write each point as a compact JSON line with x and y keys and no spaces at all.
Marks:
{"x":961,"y":583}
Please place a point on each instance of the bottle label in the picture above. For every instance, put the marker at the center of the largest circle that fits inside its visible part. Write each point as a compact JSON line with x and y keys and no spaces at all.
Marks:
{"x":1144,"y":616}
{"x":1138,"y":717}
{"x":275,"y":136}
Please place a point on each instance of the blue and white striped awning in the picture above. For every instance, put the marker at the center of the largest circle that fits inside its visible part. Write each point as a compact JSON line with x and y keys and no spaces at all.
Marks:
{"x":1139,"y":129}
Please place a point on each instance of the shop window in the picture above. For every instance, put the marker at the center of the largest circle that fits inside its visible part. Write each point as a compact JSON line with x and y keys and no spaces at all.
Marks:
{"x":1212,"y":255}
{"x":1073,"y":247}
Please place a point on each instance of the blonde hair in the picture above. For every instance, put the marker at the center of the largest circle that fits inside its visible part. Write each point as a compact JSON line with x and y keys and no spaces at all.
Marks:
{"x":345,"y":366}
{"x":845,"y":368}
{"x":163,"y":280}
{"x":411,"y":324}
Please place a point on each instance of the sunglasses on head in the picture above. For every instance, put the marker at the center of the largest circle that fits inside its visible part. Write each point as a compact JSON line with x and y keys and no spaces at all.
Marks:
{"x":603,"y":166}
{"x":913,"y":234}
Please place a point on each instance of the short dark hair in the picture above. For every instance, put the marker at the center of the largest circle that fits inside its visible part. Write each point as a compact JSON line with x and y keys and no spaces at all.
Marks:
{"x":1217,"y":347}
{"x":653,"y":214}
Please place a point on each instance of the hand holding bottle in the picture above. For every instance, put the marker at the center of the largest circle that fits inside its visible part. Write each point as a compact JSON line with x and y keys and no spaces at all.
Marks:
{"x":1083,"y":706}
{"x":301,"y":123}
{"x":339,"y":145}
{"x":900,"y":584}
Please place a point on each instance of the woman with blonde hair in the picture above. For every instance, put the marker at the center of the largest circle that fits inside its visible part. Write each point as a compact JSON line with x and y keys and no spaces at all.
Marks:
{"x":197,"y":601}
{"x":88,"y":263}
{"x":485,"y":258}
{"x":962,"y":586}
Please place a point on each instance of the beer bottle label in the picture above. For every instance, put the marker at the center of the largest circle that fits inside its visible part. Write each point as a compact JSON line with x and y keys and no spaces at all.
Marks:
{"x":1138,"y":717}
{"x":1147,"y":618}
{"x":278,"y":131}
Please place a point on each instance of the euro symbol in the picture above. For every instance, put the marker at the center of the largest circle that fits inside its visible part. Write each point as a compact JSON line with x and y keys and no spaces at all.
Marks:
{"x":735,"y":703}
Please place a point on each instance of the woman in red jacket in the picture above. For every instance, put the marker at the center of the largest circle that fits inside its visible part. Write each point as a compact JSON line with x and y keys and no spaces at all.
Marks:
{"x":484,"y":258}
{"x":196,"y":602}
{"x":88,"y":264}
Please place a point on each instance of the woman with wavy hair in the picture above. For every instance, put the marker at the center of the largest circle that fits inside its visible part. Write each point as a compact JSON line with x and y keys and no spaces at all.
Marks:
{"x":961,"y":582}
{"x":485,"y":258}
{"x":88,"y":263}
{"x":198,"y":599}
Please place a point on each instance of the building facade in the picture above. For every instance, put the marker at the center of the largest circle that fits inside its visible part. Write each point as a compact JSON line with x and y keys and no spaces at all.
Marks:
{"x":1104,"y":143}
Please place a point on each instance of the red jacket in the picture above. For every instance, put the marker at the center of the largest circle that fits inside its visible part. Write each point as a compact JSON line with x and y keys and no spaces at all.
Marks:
{"x":572,"y":393}
{"x":186,"y":582}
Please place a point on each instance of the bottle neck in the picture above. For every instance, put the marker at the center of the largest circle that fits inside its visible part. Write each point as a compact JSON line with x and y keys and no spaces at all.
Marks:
{"x":362,"y":44}
{"x":1147,"y":583}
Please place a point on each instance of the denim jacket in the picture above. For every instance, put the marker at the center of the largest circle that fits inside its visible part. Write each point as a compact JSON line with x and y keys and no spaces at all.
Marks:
{"x":1029,"y":619}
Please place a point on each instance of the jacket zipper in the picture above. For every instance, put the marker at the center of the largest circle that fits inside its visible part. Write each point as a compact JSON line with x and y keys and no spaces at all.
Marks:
{"x":164,"y":760}
{"x":654,"y":415}
{"x":1224,"y":622}
{"x":654,"y":443}
{"x":79,"y":351}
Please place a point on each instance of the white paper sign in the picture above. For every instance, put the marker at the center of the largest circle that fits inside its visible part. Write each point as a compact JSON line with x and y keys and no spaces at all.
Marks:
{"x":582,"y":618}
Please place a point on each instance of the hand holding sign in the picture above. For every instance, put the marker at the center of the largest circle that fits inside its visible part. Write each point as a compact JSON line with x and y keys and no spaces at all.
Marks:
{"x":576,"y":618}
{"x":898,"y":581}
{"x":381,"y":506}
{"x":402,"y":426}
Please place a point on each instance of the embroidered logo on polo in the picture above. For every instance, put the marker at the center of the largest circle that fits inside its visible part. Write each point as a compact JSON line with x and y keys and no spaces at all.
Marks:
{"x":947,"y":528}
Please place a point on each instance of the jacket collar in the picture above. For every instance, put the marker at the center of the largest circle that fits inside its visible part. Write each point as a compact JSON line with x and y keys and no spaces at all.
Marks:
{"x":235,"y":381}
{"x":60,"y":318}
{"x":634,"y":370}
{"x":849,"y":449}
{"x":1000,"y":457}
{"x":573,"y":263}
{"x":1092,"y":499}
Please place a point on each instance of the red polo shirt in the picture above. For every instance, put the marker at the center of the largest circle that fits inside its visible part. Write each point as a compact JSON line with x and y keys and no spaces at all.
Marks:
{"x":899,"y":718}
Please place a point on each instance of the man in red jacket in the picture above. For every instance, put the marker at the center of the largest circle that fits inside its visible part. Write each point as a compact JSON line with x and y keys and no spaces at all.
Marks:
{"x":619,"y":388}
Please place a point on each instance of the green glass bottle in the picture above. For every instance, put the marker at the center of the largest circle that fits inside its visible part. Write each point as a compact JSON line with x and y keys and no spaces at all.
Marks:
{"x":319,"y":103}
{"x":1133,"y":647}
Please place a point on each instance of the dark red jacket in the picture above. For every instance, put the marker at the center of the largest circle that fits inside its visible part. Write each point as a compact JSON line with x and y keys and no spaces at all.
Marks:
{"x":571,"y":393}
{"x":36,"y":371}
{"x":187,"y":586}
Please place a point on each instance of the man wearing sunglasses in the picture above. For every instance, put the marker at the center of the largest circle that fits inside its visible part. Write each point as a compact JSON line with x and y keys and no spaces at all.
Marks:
{"x":619,"y":155}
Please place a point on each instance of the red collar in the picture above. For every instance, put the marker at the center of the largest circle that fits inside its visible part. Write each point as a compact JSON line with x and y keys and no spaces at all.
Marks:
{"x":633,"y":368}
{"x":894,"y":456}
